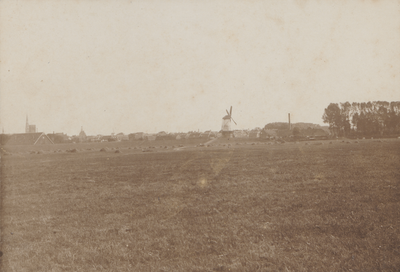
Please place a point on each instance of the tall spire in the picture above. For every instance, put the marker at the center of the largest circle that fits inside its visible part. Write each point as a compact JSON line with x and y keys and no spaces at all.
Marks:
{"x":27,"y":125}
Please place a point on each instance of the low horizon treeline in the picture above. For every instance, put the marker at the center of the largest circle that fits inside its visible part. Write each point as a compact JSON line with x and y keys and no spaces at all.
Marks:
{"x":363,"y":119}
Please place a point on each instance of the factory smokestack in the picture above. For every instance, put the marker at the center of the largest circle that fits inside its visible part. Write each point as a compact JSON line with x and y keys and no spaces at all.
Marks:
{"x":290,"y":126}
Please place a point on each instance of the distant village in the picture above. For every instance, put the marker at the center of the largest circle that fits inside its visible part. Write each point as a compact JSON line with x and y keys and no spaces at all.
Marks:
{"x":270,"y":131}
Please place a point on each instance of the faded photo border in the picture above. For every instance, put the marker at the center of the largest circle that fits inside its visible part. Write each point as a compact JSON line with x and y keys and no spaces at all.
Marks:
{"x":113,"y":70}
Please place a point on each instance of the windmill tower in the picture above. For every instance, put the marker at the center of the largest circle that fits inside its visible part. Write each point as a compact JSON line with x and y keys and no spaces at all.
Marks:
{"x":226,"y":124}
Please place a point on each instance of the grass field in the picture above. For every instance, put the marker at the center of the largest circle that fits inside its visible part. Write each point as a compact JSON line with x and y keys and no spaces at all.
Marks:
{"x":246,"y":207}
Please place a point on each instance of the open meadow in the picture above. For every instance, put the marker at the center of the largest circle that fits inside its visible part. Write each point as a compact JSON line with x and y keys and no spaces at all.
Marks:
{"x":310,"y":206}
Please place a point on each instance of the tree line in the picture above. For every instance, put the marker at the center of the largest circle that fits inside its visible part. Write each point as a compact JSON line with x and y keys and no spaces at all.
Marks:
{"x":363,"y":119}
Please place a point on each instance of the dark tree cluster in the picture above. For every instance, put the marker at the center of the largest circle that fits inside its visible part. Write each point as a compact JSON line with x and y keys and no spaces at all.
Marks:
{"x":277,"y":125}
{"x":363,"y":119}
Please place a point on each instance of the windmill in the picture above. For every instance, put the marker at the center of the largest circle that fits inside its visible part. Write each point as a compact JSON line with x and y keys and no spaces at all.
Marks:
{"x":226,"y":123}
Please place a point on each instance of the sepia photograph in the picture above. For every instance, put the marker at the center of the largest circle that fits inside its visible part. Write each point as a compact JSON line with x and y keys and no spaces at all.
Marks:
{"x":240,"y":135}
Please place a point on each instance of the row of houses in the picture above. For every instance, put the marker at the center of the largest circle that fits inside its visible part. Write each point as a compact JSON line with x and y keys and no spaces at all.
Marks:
{"x":38,"y":138}
{"x":171,"y":136}
{"x":54,"y":138}
{"x":256,"y":133}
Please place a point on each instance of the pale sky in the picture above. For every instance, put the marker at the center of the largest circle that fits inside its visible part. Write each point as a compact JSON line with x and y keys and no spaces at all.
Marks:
{"x":149,"y":66}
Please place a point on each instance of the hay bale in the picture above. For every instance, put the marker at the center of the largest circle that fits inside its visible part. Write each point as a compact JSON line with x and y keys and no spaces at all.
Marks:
{"x":103,"y":149}
{"x":117,"y":151}
{"x":39,"y":152}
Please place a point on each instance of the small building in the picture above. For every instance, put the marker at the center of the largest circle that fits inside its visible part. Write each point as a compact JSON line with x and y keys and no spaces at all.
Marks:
{"x":314,"y":132}
{"x":107,"y":138}
{"x":180,"y":136}
{"x":254,"y":134}
{"x":96,"y":138}
{"x":162,"y":135}
{"x":268,"y":133}
{"x":205,"y":134}
{"x":37,"y":138}
{"x":193,"y":135}
{"x":136,"y":136}
{"x":240,"y":134}
{"x":122,"y":137}
{"x":149,"y":137}
{"x":139,"y":136}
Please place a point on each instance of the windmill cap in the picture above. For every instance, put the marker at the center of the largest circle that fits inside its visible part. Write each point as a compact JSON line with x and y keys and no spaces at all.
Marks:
{"x":226,"y":117}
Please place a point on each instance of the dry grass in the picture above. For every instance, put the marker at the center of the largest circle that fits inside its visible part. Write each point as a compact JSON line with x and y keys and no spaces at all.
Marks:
{"x":98,"y":146}
{"x":247,"y":208}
